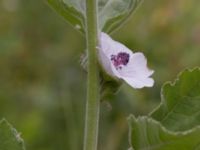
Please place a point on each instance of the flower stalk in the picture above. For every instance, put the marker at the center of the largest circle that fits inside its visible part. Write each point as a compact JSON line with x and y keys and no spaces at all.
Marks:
{"x":93,"y":98}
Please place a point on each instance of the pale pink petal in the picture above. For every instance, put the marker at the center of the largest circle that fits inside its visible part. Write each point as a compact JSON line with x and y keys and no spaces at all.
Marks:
{"x":137,"y":67}
{"x":105,"y":61}
{"x":119,"y":61}
{"x":135,"y":83}
{"x":111,"y":47}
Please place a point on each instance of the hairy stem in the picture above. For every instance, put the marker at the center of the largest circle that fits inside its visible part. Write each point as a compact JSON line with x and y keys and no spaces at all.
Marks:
{"x":93,"y":102}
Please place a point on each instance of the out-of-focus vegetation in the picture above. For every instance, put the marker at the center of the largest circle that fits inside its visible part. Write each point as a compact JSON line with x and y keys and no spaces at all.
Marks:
{"x":42,"y":86}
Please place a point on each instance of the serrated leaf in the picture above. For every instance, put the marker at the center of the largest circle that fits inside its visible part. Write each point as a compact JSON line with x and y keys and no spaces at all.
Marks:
{"x":180,"y":104}
{"x":9,"y":137}
{"x":71,"y":10}
{"x":148,"y":134}
{"x":112,"y":13}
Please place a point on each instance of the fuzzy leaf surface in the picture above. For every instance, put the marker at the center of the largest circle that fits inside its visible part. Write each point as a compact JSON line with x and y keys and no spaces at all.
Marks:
{"x":148,"y":134}
{"x":180,"y":104}
{"x":111,"y":13}
{"x":71,"y":10}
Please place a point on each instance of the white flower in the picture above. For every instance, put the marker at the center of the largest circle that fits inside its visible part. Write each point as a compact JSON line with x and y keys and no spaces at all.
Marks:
{"x":120,"y":62}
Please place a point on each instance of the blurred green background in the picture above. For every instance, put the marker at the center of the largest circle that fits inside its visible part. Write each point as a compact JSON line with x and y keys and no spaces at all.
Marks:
{"x":42,"y":86}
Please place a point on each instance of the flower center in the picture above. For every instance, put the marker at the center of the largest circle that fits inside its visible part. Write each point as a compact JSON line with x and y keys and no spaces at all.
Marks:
{"x":120,"y":60}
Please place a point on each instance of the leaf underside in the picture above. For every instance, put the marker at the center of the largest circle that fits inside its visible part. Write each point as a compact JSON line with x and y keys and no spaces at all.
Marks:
{"x":69,"y":13}
{"x":111,"y":13}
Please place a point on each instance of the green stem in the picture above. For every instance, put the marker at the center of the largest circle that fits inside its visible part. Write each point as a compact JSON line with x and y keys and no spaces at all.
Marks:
{"x":93,"y":102}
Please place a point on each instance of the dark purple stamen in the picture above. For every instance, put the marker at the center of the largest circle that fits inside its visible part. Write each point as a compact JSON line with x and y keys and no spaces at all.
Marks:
{"x":120,"y":59}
